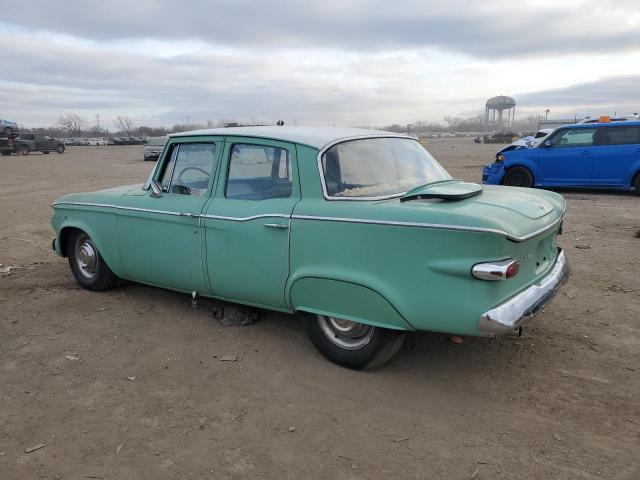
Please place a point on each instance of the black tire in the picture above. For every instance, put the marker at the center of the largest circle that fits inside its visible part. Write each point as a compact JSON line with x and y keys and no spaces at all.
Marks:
{"x":87,"y":265}
{"x":60,"y":149}
{"x":46,"y":153}
{"x":636,"y":184}
{"x":8,"y":132}
{"x":375,"y":347}
{"x":518,"y":177}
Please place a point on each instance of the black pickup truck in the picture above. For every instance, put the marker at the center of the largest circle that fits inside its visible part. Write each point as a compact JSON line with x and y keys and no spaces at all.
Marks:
{"x":31,"y":142}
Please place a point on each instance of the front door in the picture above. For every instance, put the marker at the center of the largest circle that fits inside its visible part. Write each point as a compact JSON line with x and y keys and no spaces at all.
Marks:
{"x":161,"y":238}
{"x":617,"y":149}
{"x":567,"y":158}
{"x":247,"y":223}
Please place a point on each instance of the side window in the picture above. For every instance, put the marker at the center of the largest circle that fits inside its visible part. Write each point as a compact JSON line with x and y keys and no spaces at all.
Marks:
{"x":576,"y":137}
{"x":619,"y":136}
{"x":258,"y":172}
{"x":189,"y":168}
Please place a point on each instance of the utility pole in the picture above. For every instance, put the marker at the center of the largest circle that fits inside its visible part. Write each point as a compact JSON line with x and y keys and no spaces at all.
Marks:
{"x":98,"y":128}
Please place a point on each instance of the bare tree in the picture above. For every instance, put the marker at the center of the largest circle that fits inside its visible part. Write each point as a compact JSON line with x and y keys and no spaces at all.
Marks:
{"x":72,"y":124}
{"x":125,"y":125}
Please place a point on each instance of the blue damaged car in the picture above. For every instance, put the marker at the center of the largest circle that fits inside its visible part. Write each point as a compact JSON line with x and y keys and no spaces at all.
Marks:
{"x":600,"y":155}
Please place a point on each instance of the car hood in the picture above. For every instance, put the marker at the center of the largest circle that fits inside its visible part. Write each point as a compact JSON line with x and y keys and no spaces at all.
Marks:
{"x":107,"y":196}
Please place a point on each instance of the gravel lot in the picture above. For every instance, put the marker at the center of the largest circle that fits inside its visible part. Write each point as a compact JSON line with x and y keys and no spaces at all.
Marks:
{"x":129,"y":384}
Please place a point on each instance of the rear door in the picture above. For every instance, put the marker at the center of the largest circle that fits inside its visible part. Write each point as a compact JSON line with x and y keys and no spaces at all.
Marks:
{"x":567,"y":157}
{"x":247,"y":222}
{"x":617,"y":148}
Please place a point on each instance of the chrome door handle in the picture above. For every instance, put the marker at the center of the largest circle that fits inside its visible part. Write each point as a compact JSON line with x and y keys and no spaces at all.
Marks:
{"x":282,"y":226}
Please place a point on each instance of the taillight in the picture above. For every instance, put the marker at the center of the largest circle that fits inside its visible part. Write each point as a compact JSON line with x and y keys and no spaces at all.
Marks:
{"x":494,"y":271}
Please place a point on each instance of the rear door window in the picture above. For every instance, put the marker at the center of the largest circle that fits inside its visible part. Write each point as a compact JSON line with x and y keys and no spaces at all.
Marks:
{"x":258,"y":172}
{"x":619,"y":136}
{"x":574,"y":137}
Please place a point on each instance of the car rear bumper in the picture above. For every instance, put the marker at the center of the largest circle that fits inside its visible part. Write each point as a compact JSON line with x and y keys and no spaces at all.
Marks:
{"x":520,"y":309}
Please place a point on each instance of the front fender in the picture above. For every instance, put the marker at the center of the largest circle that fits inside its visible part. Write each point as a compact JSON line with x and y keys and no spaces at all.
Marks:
{"x":100,"y":226}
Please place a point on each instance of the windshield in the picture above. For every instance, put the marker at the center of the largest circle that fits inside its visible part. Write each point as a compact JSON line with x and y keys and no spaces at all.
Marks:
{"x":378,"y":167}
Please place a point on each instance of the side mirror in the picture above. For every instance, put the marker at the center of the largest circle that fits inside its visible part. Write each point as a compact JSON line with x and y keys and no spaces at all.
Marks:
{"x":548,"y":144}
{"x":156,"y":190}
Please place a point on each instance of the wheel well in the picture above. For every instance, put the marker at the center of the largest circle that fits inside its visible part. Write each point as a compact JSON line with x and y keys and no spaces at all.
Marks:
{"x":634,"y":178}
{"x":65,"y":233}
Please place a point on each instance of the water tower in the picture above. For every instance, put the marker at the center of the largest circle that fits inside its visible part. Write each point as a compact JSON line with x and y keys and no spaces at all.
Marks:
{"x":496,"y":107}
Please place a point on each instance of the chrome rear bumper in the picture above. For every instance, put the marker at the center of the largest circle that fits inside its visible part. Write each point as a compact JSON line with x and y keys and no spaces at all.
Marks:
{"x":515,"y":312}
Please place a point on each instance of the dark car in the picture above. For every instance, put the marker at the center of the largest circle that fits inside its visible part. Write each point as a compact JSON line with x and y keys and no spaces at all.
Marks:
{"x":38,"y":142}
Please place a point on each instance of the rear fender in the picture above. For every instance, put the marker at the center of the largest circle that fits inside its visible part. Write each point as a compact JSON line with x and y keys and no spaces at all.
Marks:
{"x":346,"y":300}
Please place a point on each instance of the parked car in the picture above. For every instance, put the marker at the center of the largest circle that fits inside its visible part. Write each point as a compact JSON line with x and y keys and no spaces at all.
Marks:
{"x":528,"y":141}
{"x":584,"y":155}
{"x":38,"y":142}
{"x":8,"y":128}
{"x":360,"y":232}
{"x":6,"y":146}
{"x":153,"y":147}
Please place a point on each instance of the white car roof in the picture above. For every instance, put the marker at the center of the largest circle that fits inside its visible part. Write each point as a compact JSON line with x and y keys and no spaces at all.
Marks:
{"x":316,"y":137}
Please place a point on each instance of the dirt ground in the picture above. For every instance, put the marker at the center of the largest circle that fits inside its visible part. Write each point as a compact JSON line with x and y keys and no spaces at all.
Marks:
{"x":129,"y":384}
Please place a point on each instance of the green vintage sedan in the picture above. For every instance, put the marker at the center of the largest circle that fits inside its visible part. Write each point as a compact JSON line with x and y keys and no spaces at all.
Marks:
{"x":362,"y":233}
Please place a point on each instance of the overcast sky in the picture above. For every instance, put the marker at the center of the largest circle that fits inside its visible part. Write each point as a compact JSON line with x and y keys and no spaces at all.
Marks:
{"x":343,"y":62}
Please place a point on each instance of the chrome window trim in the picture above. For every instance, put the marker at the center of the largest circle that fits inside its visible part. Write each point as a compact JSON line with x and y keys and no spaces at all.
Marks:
{"x":344,"y":140}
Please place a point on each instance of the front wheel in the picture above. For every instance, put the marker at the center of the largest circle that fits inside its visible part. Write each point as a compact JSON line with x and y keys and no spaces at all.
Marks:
{"x":87,"y":265}
{"x":352,"y":344}
{"x":518,"y":177}
{"x":60,"y":149}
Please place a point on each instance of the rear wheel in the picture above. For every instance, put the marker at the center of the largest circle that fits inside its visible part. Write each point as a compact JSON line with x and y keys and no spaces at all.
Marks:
{"x":87,"y":265}
{"x":7,"y":131}
{"x":352,"y":344}
{"x":518,"y":177}
{"x":636,"y":184}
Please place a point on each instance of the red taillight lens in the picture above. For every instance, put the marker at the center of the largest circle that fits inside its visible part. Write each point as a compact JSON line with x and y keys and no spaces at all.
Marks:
{"x":512,"y":270}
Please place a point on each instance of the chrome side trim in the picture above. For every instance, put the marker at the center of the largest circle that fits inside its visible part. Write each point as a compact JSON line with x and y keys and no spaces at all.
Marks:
{"x":521,"y":308}
{"x":246,"y":219}
{"x":436,"y":226}
{"x":121,"y":207}
{"x":348,"y":139}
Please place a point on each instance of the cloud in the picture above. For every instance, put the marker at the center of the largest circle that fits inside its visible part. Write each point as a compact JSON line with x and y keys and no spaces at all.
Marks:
{"x":490,"y":28}
{"x":604,"y":95}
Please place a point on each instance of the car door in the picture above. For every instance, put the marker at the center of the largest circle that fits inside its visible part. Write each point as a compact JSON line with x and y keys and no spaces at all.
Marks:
{"x":247,"y":223}
{"x":616,"y":149}
{"x":566,"y":158}
{"x":161,"y":237}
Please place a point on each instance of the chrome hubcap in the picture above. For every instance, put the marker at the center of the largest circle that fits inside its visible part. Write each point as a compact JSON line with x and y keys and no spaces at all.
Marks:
{"x":345,"y":333}
{"x":86,"y":257}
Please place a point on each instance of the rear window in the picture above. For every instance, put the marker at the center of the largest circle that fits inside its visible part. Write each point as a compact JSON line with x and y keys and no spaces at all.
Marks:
{"x":619,"y":136}
{"x":157,"y":141}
